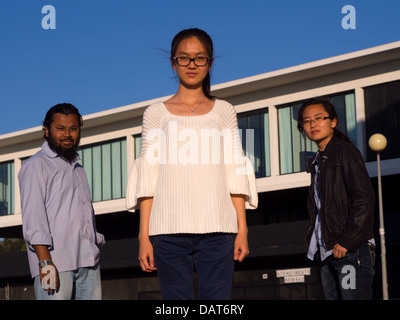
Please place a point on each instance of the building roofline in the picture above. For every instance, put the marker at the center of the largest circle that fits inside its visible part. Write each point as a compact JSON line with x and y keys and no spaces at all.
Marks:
{"x":343,"y":62}
{"x":348,"y":61}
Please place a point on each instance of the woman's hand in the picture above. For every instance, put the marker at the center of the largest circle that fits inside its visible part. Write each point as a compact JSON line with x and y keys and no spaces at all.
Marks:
{"x":338,"y":251}
{"x":146,"y":256}
{"x":241,"y":249}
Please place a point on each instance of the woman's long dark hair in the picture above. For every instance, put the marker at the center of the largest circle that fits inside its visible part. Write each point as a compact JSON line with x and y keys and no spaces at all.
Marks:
{"x":329,"y":108}
{"x":206,"y":40}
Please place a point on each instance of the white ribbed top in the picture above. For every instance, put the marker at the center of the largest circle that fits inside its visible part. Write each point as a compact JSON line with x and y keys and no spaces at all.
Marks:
{"x":191,"y":165}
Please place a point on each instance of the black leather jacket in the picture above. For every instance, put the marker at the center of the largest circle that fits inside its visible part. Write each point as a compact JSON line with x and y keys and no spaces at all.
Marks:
{"x":347,"y":197}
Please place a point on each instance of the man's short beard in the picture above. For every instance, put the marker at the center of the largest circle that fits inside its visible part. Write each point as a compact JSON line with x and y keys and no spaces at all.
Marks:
{"x":67,"y":153}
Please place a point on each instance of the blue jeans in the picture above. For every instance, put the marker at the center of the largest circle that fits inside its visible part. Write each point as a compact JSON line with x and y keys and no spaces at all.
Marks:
{"x":351,"y":277}
{"x":211,"y":255}
{"x":80,"y":284}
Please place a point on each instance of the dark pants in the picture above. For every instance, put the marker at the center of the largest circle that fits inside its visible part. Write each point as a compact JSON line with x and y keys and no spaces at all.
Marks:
{"x":211,"y":255}
{"x":351,"y":277}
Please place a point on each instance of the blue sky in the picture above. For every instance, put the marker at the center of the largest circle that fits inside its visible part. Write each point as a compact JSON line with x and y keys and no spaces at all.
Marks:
{"x":105,"y":54}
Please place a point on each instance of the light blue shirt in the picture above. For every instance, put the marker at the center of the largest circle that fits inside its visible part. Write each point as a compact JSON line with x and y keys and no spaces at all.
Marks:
{"x":57,"y":211}
{"x":316,"y":239}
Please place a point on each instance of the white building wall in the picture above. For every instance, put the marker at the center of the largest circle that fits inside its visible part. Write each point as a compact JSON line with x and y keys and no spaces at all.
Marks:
{"x":325,"y":77}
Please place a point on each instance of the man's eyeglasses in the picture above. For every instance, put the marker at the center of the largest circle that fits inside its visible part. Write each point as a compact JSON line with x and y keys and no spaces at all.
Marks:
{"x":185,"y":61}
{"x":316,"y":120}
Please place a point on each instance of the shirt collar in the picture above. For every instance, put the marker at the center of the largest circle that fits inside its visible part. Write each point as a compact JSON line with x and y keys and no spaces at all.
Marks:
{"x":47,"y":150}
{"x":316,"y":158}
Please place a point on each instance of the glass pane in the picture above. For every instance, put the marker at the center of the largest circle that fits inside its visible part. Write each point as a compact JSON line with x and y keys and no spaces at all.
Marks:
{"x":285,"y":140}
{"x":382,"y":113}
{"x":297,"y":140}
{"x":106,"y":171}
{"x":339,"y":103}
{"x":138,"y":141}
{"x":86,"y":162}
{"x":6,"y":188}
{"x":255,"y":137}
{"x":243,"y":125}
{"x":11,"y":191}
{"x":124,"y":167}
{"x":3,"y":186}
{"x":265,"y":132}
{"x":116,"y":170}
{"x":351,"y":119}
{"x":80,"y":152}
{"x":255,"y":141}
{"x":97,"y":175}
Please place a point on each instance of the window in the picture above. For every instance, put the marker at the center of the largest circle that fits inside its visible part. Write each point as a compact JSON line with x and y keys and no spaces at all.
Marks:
{"x":254,"y":128}
{"x":6,"y":188}
{"x":382,"y":111}
{"x":137,"y":141}
{"x":294,"y":149}
{"x":105,"y":165}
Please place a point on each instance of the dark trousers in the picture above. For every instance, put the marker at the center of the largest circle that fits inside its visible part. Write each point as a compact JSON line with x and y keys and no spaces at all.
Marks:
{"x":351,"y":277}
{"x":210,"y":255}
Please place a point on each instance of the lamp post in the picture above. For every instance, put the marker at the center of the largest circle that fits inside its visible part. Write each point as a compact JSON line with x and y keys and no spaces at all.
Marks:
{"x":377,"y":143}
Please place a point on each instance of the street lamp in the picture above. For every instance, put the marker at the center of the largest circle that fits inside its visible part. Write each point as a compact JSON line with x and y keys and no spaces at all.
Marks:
{"x":377,"y":143}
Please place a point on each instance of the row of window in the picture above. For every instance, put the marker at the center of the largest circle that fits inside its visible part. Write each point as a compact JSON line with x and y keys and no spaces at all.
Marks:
{"x":294,"y":148}
{"x":106,"y":163}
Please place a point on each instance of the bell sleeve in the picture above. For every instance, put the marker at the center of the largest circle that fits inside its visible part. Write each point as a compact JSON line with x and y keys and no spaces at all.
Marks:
{"x":239,"y":170}
{"x":142,"y":178}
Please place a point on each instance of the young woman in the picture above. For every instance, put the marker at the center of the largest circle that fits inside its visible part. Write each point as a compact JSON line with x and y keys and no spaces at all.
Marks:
{"x":192,"y":182}
{"x":341,"y":206}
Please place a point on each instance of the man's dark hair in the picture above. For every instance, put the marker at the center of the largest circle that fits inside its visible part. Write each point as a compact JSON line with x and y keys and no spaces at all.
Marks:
{"x":65,"y":109}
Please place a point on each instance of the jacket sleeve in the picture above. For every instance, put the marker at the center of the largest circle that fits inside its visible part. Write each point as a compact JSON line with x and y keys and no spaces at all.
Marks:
{"x":359,"y":226}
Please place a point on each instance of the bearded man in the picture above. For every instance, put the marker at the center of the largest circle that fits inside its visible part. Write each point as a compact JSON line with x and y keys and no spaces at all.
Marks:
{"x":57,"y":214}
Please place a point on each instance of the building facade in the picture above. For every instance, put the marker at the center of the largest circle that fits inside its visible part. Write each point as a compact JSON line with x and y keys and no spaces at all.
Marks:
{"x":365,"y":88}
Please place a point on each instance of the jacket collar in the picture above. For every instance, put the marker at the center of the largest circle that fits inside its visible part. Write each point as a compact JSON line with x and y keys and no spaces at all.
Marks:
{"x":324,"y":154}
{"x":321,"y":156}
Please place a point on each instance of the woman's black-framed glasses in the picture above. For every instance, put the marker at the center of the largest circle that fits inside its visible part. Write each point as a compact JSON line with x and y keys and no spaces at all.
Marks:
{"x":316,"y":120}
{"x":185,"y":61}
